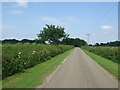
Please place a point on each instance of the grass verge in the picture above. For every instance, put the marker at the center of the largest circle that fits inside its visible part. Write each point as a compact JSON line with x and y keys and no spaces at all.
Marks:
{"x":110,"y":66}
{"x":35,"y":76}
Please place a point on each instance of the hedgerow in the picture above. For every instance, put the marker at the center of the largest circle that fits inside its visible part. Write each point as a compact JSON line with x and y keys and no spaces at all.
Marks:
{"x":18,"y":57}
{"x":111,"y":53}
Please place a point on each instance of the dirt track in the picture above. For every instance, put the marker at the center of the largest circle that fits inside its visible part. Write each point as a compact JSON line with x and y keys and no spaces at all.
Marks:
{"x":80,"y":71}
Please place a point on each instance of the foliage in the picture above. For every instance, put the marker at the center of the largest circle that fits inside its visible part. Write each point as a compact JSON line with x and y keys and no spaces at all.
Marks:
{"x":115,"y":43}
{"x":36,"y":75}
{"x":53,"y":34}
{"x":12,"y":41}
{"x":18,"y":57}
{"x":27,"y":41}
{"x":75,"y":42}
{"x":110,"y":66}
{"x":110,"y":53}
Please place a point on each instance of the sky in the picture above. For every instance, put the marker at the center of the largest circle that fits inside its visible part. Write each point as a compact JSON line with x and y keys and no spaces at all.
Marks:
{"x":25,"y":19}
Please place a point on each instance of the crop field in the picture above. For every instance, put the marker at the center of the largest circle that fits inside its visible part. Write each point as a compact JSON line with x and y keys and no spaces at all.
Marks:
{"x":110,"y":53}
{"x":18,"y":57}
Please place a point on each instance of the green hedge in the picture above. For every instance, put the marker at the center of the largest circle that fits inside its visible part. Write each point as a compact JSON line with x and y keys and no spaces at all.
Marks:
{"x":18,"y":57}
{"x":110,"y":53}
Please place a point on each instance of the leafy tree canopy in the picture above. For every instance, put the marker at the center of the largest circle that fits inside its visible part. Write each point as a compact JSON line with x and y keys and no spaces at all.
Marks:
{"x":53,"y":34}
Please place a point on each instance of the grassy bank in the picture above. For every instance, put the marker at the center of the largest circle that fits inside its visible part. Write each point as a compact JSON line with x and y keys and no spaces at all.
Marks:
{"x":35,"y":76}
{"x":110,"y":66}
{"x":109,"y":52}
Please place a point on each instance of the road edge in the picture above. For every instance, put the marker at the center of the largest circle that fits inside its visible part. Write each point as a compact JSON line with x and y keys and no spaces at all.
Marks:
{"x":53,"y":73}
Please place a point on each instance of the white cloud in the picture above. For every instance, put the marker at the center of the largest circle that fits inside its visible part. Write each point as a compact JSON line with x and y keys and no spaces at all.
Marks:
{"x":16,"y":12}
{"x":62,"y":21}
{"x":106,"y":27}
{"x":22,"y":3}
{"x":59,"y":21}
{"x":17,"y":3}
{"x":52,"y":20}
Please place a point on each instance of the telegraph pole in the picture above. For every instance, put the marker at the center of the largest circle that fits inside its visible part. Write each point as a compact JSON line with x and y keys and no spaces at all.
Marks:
{"x":88,"y":36}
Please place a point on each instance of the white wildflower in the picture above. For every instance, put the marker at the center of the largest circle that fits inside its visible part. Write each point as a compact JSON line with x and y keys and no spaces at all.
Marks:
{"x":33,"y":52}
{"x":19,"y":53}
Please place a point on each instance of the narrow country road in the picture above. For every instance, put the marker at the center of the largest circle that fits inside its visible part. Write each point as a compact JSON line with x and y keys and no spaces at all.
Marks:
{"x":80,"y":71}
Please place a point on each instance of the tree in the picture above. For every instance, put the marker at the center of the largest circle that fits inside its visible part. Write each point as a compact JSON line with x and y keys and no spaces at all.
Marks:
{"x":53,"y":34}
{"x":75,"y":42}
{"x":11,"y":41}
{"x":97,"y":44}
{"x":26,"y":41}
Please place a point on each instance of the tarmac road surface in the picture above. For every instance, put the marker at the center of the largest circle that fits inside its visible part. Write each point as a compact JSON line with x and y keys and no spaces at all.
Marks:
{"x":80,"y":71}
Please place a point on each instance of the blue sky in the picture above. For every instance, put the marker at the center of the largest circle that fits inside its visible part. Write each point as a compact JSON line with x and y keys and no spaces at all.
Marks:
{"x":25,"y":19}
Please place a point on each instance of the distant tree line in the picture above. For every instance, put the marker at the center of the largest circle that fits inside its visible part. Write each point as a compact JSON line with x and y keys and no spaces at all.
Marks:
{"x":75,"y":42}
{"x":14,"y":41}
{"x":115,"y":43}
{"x":67,"y":41}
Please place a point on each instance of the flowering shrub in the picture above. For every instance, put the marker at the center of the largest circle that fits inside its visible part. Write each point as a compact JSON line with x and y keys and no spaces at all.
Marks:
{"x":18,"y":57}
{"x":110,"y":53}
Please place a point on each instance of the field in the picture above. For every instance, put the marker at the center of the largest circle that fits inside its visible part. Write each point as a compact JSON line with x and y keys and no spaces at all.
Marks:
{"x":18,"y":57}
{"x":110,"y":53}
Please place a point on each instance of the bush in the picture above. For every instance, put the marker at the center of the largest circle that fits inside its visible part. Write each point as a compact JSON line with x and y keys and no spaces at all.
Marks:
{"x":110,"y":53}
{"x":18,"y":57}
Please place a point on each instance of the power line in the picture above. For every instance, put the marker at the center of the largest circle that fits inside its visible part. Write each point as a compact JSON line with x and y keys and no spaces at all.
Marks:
{"x":109,"y":10}
{"x":88,"y":35}
{"x":106,"y":13}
